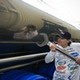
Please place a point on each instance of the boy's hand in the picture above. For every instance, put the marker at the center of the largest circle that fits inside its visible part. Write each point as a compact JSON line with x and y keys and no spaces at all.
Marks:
{"x":78,"y":60}
{"x":53,"y":47}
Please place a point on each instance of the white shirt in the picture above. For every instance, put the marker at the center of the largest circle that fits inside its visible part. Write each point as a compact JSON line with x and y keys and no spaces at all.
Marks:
{"x":19,"y":35}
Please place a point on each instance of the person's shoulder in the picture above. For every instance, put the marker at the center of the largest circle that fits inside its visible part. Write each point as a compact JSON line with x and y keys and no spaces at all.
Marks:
{"x":76,"y":46}
{"x":75,"y":43}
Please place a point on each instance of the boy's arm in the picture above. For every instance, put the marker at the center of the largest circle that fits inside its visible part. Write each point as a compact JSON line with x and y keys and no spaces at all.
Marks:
{"x":50,"y":57}
{"x":78,"y":60}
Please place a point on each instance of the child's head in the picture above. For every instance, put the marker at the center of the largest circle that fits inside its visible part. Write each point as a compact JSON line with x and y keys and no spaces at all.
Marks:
{"x":64,"y":39}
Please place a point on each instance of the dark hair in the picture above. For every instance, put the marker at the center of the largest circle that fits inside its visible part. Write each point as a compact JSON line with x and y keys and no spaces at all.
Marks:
{"x":65,"y":35}
{"x":31,"y":27}
{"x":69,"y":43}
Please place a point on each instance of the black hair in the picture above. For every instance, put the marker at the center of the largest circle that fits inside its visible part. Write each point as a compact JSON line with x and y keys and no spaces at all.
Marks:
{"x":31,"y":27}
{"x":66,"y":35}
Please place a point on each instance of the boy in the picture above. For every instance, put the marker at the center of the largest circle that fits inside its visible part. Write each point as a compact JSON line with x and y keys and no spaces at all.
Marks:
{"x":66,"y":68}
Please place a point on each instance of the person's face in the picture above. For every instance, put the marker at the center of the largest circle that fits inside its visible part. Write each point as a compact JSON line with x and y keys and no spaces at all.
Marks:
{"x":62,"y":42}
